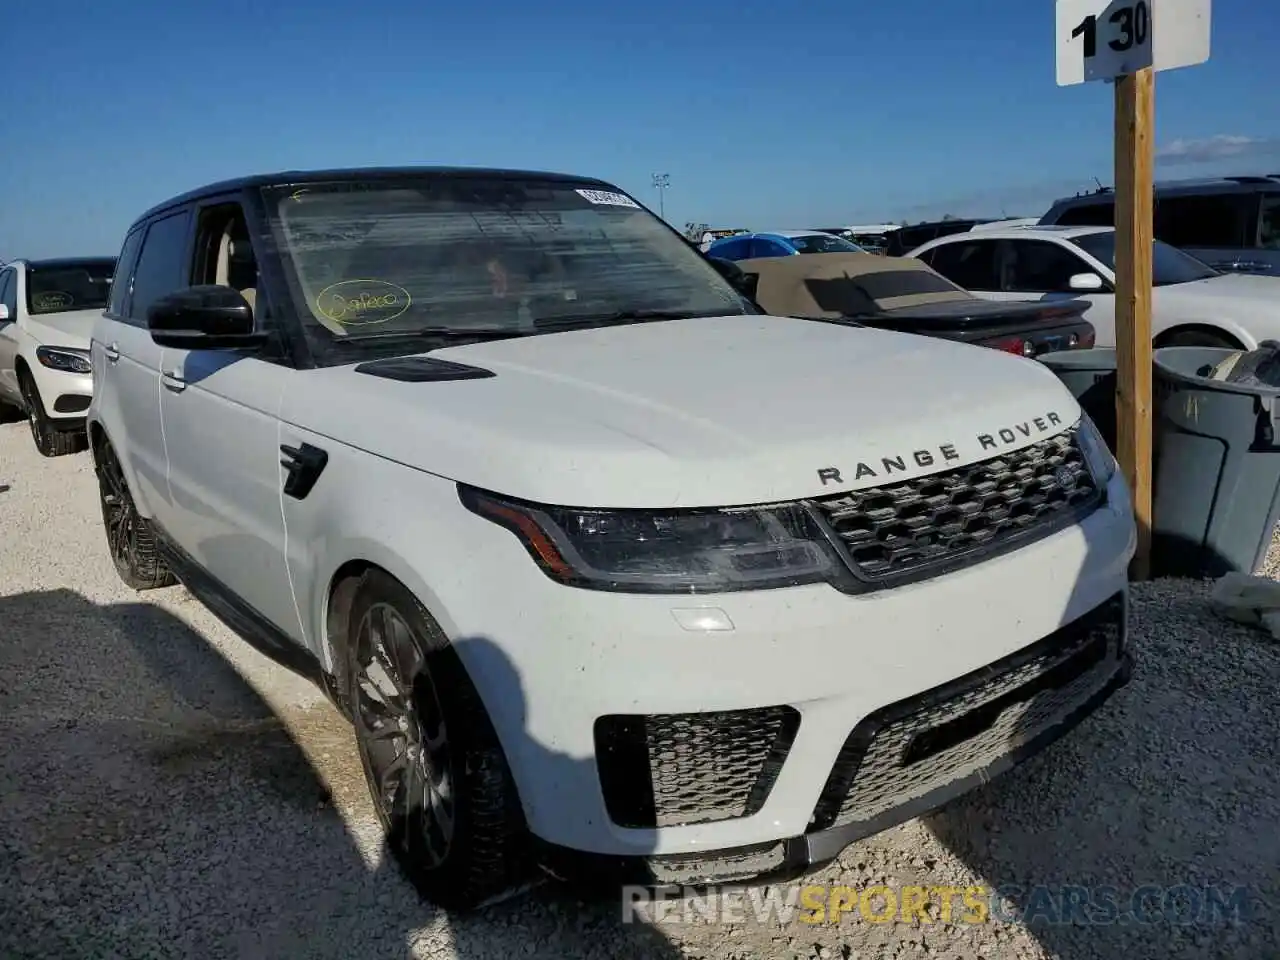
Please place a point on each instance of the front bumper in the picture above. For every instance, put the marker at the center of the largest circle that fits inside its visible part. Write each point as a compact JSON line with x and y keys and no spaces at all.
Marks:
{"x":66,"y":396}
{"x":577,"y":681}
{"x":1060,"y":709}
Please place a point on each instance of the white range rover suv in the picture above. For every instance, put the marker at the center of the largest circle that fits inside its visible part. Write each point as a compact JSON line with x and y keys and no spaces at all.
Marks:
{"x":606,"y":567}
{"x":47,"y":311}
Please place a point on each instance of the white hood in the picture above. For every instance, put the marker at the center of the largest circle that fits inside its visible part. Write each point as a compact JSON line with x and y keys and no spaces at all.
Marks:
{"x":702,"y":412}
{"x":70,"y":329}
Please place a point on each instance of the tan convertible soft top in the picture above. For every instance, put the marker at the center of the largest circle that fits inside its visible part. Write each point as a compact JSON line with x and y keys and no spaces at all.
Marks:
{"x":846,"y":284}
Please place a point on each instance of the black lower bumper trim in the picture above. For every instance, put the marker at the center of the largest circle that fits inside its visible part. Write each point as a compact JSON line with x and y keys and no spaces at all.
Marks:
{"x":780,"y":861}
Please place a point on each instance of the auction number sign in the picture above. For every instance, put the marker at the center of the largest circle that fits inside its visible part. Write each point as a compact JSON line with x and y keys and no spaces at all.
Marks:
{"x":1101,"y":40}
{"x":1131,"y":28}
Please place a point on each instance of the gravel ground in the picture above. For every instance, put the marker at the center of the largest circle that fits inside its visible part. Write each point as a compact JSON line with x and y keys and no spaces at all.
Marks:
{"x":167,"y":792}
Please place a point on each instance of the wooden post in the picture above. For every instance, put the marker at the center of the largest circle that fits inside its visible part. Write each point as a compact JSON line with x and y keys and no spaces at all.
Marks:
{"x":1135,"y":121}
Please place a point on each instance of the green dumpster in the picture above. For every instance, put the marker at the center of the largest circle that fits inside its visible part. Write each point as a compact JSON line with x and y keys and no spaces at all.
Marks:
{"x":1216,"y":484}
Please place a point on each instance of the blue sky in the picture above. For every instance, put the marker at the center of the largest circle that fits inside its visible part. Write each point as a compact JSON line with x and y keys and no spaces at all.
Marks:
{"x":765,"y":114}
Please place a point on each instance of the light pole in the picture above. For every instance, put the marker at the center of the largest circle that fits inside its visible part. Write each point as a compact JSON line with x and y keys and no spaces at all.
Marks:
{"x":661,"y":181}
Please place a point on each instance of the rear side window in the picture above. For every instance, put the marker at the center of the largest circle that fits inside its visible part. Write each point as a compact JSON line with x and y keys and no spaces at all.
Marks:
{"x":968,"y":264}
{"x":1207,"y":220}
{"x":1088,"y":215}
{"x":908,"y":238}
{"x":119,"y":298}
{"x":1038,"y":266}
{"x":161,"y":264}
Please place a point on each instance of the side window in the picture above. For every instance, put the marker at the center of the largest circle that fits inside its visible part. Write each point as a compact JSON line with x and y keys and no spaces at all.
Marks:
{"x":9,"y":292}
{"x":1088,"y":215}
{"x":1209,"y":220}
{"x":1269,"y":222}
{"x":1038,"y":266}
{"x":161,"y":264}
{"x":120,"y":283}
{"x":224,"y":254}
{"x":968,"y":264}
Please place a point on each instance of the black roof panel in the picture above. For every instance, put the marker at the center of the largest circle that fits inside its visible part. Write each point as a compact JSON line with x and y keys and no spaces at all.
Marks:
{"x":291,"y":177}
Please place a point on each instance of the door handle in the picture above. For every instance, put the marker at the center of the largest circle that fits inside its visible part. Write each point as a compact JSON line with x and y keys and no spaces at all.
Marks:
{"x":173,"y":380}
{"x":112,"y":352}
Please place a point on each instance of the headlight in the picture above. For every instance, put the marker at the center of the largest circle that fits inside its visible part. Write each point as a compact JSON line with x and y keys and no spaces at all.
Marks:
{"x":684,"y":551}
{"x":66,"y":359}
{"x":1096,"y":453}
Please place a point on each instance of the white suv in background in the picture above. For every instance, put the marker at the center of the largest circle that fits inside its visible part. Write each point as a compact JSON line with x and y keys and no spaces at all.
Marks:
{"x":604,"y":565}
{"x":1192,"y":304}
{"x":47,"y":311}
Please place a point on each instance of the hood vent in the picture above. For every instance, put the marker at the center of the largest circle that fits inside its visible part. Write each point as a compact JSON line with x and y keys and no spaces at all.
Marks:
{"x":421,"y":370}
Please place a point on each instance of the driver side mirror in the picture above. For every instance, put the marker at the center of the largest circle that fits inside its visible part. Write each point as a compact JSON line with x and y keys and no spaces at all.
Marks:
{"x":4,"y":314}
{"x":1085,"y":282}
{"x":207,"y":317}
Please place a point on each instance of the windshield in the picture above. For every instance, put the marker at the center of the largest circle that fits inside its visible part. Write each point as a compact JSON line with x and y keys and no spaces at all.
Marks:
{"x":823,"y":243}
{"x":68,"y":285}
{"x":485,"y":256}
{"x":1169,"y":265}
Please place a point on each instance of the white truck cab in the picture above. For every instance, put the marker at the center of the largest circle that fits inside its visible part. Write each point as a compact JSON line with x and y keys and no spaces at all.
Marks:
{"x":604,"y":565}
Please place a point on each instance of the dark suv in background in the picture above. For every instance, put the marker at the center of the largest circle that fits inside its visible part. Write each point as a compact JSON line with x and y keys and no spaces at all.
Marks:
{"x":905,"y":239}
{"x":1231,"y":223}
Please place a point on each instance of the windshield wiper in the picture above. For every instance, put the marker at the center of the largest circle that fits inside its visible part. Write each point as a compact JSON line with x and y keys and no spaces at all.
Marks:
{"x":619,"y":317}
{"x":441,"y":335}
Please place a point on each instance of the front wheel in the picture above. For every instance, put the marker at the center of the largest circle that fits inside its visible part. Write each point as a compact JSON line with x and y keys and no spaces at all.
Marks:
{"x":437,"y":775}
{"x":49,"y":440}
{"x":131,"y":539}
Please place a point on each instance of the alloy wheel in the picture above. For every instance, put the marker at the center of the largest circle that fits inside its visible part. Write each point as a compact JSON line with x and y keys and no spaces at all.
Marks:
{"x":401,"y":731}
{"x":33,"y":416}
{"x":119,"y":514}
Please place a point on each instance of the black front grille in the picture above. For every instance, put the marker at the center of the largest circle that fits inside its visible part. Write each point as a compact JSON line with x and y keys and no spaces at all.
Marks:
{"x":908,"y":750}
{"x":908,"y":530}
{"x":677,"y":769}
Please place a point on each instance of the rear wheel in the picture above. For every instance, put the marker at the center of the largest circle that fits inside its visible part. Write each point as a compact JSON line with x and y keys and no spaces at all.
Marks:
{"x":437,"y":775}
{"x":1199,"y":338}
{"x":131,"y":539}
{"x":49,"y":440}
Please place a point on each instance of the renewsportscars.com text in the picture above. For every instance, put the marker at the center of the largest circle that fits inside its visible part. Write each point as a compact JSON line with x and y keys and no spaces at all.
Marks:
{"x":1181,"y":905}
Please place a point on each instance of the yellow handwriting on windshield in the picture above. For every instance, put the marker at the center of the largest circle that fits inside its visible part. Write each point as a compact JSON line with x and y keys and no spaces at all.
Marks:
{"x":362,"y":302}
{"x":53,"y":300}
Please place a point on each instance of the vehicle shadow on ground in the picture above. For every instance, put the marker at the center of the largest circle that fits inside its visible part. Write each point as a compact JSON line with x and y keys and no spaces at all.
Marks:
{"x":155,"y":805}
{"x":1145,"y":832}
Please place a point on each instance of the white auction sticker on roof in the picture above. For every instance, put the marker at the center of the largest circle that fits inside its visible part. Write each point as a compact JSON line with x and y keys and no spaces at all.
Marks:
{"x":607,"y":198}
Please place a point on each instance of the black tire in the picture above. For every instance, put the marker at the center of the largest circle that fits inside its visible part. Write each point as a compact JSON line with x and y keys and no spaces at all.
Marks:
{"x":458,"y":772}
{"x":1199,"y":338}
{"x":131,"y":539}
{"x":49,"y":440}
